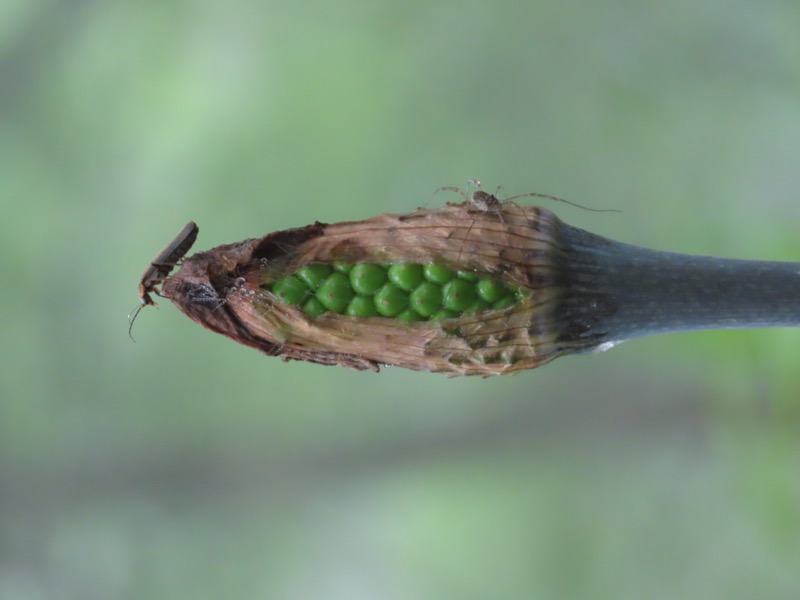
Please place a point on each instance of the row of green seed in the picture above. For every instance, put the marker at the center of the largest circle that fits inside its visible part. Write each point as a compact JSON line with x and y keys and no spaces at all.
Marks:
{"x":407,"y":291}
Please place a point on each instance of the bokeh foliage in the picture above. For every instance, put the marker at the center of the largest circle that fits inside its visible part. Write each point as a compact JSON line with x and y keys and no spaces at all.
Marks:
{"x":185,"y":466}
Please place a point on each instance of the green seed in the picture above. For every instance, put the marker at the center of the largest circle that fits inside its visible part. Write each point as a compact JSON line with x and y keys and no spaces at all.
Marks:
{"x":436,"y":292}
{"x":361,"y":306}
{"x":390,"y":300}
{"x":477,"y":306}
{"x":342,"y":267}
{"x":366,"y":278}
{"x":467,"y":276}
{"x":437,"y":273}
{"x":313,"y":275}
{"x":410,"y":315}
{"x":426,"y":299}
{"x":335,"y":292}
{"x":406,"y":276}
{"x":290,"y":290}
{"x":458,"y":295}
{"x":509,"y":300}
{"x":491,"y":290}
{"x":314,"y":308}
{"x":444,"y":314}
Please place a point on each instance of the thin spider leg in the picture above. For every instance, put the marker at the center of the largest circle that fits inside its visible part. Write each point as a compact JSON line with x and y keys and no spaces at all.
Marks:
{"x":557,"y":199}
{"x":450,"y":188}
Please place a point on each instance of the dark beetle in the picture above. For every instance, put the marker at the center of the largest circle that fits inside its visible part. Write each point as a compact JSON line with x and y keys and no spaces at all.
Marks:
{"x":161,"y":266}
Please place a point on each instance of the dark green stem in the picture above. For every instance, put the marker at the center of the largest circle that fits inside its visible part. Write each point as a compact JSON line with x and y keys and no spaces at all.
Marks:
{"x":615,"y":291}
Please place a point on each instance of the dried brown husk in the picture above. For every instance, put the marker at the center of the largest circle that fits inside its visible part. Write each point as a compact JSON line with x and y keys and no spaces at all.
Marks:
{"x":222,"y":290}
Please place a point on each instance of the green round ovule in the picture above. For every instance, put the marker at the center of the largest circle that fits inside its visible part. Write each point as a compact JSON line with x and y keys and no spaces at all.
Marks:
{"x":426,"y":299}
{"x":313,"y":275}
{"x":406,"y":276}
{"x":437,"y":273}
{"x":366,"y":278}
{"x":443,"y":314}
{"x":314,"y":308}
{"x":458,"y":295}
{"x":477,"y":306}
{"x":509,"y":300}
{"x":361,"y":306}
{"x":342,"y":267}
{"x":390,"y":300}
{"x":492,"y":290}
{"x":335,"y":292}
{"x":290,"y":290}
{"x":467,"y":276}
{"x":410,"y":316}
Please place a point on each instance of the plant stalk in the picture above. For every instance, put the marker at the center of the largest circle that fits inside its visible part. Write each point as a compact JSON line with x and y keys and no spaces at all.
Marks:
{"x":615,"y":291}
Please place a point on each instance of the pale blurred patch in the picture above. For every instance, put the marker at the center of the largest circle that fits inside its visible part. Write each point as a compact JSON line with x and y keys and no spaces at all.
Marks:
{"x":185,"y":466}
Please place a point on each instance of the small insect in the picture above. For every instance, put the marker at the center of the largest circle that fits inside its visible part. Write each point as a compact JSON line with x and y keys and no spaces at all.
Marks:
{"x":161,"y":266}
{"x":485,"y":202}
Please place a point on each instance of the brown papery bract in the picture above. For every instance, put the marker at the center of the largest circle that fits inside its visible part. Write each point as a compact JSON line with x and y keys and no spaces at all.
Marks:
{"x":222,"y":290}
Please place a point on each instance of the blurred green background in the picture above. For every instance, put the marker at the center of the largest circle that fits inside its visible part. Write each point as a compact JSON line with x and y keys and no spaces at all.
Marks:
{"x":186,"y":466}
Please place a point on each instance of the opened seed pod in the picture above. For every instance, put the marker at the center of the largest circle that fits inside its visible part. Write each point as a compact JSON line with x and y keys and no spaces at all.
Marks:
{"x":478,"y":288}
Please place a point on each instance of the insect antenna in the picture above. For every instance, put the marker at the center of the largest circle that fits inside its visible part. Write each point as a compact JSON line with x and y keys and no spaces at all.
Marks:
{"x":132,"y":317}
